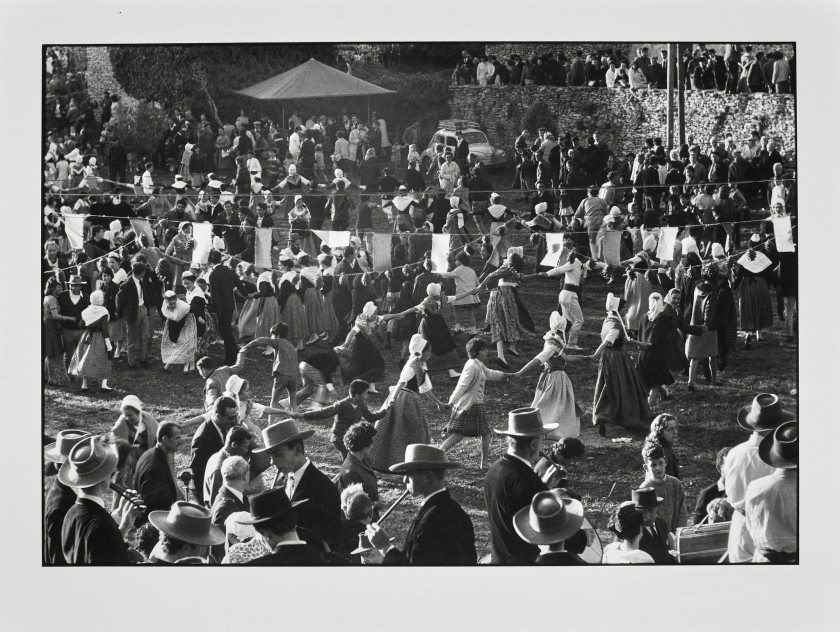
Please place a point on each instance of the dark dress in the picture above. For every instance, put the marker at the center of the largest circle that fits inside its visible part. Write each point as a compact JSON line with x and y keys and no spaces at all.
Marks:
{"x":620,"y":397}
{"x":675,"y":358}
{"x":366,"y":362}
{"x":434,"y":328}
{"x":653,"y":361}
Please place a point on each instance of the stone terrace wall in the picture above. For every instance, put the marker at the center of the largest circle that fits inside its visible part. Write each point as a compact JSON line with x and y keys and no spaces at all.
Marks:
{"x":624,"y":118}
{"x":503,"y":50}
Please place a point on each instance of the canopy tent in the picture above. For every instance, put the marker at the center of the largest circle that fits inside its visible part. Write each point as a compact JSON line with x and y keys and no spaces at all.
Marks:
{"x":312,"y":80}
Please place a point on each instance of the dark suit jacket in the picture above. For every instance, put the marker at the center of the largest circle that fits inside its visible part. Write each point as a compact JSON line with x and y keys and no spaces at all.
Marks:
{"x":225,"y":504}
{"x":58,"y":502}
{"x":128,"y":301}
{"x":509,"y":486}
{"x":290,"y":555}
{"x":67,"y":308}
{"x":319,"y":519}
{"x":558,"y":558}
{"x":440,"y":534}
{"x":267,"y":221}
{"x":222,"y":282}
{"x":90,"y":536}
{"x":657,"y":547}
{"x":153,"y":480}
{"x":205,"y":443}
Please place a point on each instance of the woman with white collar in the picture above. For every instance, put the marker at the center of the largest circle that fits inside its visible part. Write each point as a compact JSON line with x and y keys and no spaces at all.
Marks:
{"x":310,"y":295}
{"x":90,"y":359}
{"x":292,"y":311}
{"x":197,"y":301}
{"x":619,"y":394}
{"x":434,"y":328}
{"x":265,"y":305}
{"x":756,"y":309}
{"x":405,"y":423}
{"x":178,"y":341}
{"x":554,"y":395}
{"x":654,"y":328}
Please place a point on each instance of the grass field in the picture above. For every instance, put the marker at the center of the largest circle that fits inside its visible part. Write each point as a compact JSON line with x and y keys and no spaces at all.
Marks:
{"x":706,"y":417}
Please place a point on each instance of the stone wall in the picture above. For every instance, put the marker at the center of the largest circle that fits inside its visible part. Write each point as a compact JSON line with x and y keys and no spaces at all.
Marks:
{"x":624,"y":118}
{"x":502,"y":50}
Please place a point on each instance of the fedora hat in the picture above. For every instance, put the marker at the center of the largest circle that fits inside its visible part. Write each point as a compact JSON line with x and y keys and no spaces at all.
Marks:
{"x":189,"y":523}
{"x":549,"y":518}
{"x":764,"y":413}
{"x":646,"y":498}
{"x":89,"y":462}
{"x":780,"y":448}
{"x":281,"y":433}
{"x":76,"y":280}
{"x":58,"y":450}
{"x":272,"y":503}
{"x":526,"y":422}
{"x":420,"y":456}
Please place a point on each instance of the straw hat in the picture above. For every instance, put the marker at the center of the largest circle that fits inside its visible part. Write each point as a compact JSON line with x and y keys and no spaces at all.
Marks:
{"x":526,"y":422}
{"x":420,"y":456}
{"x":281,"y":433}
{"x":58,"y":450}
{"x":89,"y":462}
{"x":189,"y":523}
{"x":549,"y":518}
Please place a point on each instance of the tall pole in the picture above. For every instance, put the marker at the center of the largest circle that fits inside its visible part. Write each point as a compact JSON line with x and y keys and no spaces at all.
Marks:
{"x":670,"y":69}
{"x":680,"y":92}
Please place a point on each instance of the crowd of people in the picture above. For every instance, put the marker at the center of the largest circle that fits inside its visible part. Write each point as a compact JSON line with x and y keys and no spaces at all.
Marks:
{"x":321,"y":316}
{"x":739,"y":69}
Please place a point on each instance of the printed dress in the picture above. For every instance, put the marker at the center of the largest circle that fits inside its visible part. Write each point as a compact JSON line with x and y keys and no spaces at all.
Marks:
{"x":554,"y":395}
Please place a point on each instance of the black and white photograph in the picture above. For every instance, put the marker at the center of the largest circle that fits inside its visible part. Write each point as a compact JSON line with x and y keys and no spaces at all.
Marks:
{"x":451,"y":305}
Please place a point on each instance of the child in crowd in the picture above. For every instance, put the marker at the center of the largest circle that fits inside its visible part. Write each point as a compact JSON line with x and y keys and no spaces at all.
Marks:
{"x":413,"y":155}
{"x":285,"y":368}
{"x":672,"y":509}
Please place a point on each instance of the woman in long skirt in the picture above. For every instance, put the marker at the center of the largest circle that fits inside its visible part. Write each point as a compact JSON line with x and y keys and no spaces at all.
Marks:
{"x":197,"y":301}
{"x":554,"y":395}
{"x":509,"y":320}
{"x":405,"y":423}
{"x":116,"y":326}
{"x":178,"y":341}
{"x":292,"y":311}
{"x":90,"y":359}
{"x":677,"y":329}
{"x":181,"y":247}
{"x":325,"y":291}
{"x":365,"y":360}
{"x":652,"y":365}
{"x":754,"y":301}
{"x":265,"y":308}
{"x":637,"y":290}
{"x":310,"y":294}
{"x":434,"y":328}
{"x":54,"y":372}
{"x":620,"y":398}
{"x":704,"y":314}
{"x":467,"y":401}
{"x":246,"y":323}
{"x":405,"y":327}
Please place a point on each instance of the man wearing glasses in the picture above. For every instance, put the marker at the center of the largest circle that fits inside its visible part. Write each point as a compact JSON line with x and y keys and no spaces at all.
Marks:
{"x":209,"y":438}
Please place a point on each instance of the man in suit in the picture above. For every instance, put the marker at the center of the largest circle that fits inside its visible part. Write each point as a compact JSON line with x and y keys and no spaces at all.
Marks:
{"x":441,"y":532}
{"x":462,"y":151}
{"x":274,"y":517}
{"x":511,"y":484}
{"x":238,"y":442}
{"x":134,"y":304}
{"x":236,"y":475}
{"x":208,"y":439}
{"x":319,"y":520}
{"x":154,"y":477}
{"x":91,"y":535}
{"x":60,"y":498}
{"x":72,"y":303}
{"x":223,"y":280}
{"x":657,"y":541}
{"x":263,"y":219}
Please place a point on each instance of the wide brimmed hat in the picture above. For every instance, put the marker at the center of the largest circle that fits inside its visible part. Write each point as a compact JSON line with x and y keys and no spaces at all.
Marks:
{"x":58,"y":450}
{"x":270,"y":504}
{"x":281,"y":433}
{"x":646,"y":498}
{"x":780,"y":448}
{"x":189,"y":523}
{"x":526,"y":422}
{"x":549,"y":518}
{"x":89,"y":462}
{"x":76,"y":280}
{"x":420,"y":456}
{"x":764,"y":413}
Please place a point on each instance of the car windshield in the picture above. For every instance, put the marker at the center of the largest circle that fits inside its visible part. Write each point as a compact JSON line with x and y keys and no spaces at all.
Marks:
{"x":475,"y":137}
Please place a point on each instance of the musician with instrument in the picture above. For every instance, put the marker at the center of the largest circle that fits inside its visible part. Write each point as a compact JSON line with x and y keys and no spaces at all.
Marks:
{"x":547,"y":522}
{"x":90,"y":535}
{"x":441,"y":532}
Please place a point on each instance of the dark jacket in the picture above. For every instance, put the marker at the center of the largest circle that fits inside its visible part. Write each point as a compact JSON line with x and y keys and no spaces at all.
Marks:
{"x":90,"y":536}
{"x":67,"y":308}
{"x":222,"y":282}
{"x":205,"y":443}
{"x":440,"y":534}
{"x":154,"y":481}
{"x":558,"y":558}
{"x":319,"y":519}
{"x":509,"y":486}
{"x":127,"y":300}
{"x":58,"y":502}
{"x":657,"y":547}
{"x":225,"y":504}
{"x":290,"y":555}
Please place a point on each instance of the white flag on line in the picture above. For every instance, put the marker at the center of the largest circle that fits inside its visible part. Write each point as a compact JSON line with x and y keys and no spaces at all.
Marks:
{"x":262,"y":248}
{"x":334,"y":238}
{"x":141,"y":226}
{"x":440,"y":251}
{"x":667,"y":241}
{"x":381,"y":251}
{"x":203,"y":237}
{"x":784,"y":235}
{"x":554,"y":246}
{"x":74,"y":226}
